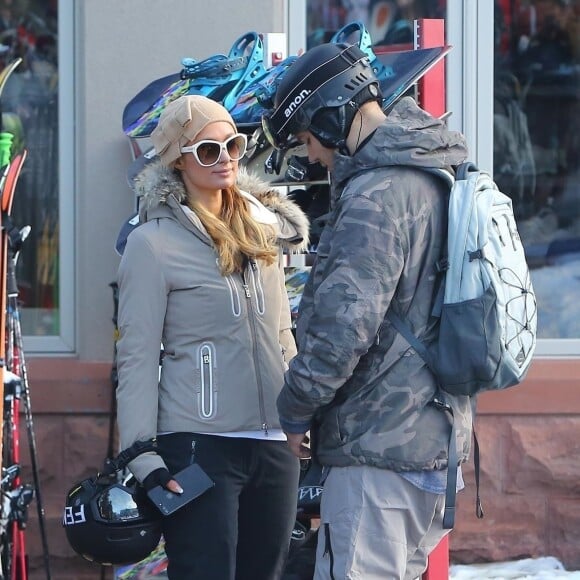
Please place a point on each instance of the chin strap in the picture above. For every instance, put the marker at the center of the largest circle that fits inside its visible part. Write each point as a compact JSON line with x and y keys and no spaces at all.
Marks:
{"x":112,"y":465}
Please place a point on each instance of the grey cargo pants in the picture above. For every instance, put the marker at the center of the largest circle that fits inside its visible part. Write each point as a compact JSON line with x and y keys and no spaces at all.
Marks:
{"x":375,"y":525}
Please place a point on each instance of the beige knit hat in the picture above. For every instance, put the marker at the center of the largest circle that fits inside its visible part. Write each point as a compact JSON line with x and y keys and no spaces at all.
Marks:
{"x":181,"y":121}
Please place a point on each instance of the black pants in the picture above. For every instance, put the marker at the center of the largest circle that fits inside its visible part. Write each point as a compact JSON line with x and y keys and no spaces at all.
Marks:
{"x":240,"y":529}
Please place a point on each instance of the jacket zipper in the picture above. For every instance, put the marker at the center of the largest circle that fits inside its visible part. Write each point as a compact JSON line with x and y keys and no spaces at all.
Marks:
{"x":255,"y":353}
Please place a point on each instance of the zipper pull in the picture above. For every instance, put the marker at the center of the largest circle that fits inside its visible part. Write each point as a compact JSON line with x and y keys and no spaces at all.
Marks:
{"x":511,"y":233}
{"x":496,"y":225}
{"x":245,"y":285}
{"x":378,"y":336}
{"x":265,"y":428}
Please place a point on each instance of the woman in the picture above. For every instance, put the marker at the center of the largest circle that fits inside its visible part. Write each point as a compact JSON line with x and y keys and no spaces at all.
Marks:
{"x":202,"y":275}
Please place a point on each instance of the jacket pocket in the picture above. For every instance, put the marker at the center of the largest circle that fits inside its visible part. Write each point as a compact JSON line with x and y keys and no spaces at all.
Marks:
{"x":257,"y":287}
{"x":332,"y":430}
{"x":206,"y":390}
{"x":235,"y":298}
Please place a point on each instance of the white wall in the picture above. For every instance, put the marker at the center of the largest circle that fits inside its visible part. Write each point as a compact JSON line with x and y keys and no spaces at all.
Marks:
{"x":121,"y":46}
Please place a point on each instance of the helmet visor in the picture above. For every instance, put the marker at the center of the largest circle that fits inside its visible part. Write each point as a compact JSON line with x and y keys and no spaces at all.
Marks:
{"x":116,"y":504}
{"x":281,"y":135}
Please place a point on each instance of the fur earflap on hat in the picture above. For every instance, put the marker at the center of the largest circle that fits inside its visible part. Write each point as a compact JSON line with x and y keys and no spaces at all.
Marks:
{"x":181,"y":121}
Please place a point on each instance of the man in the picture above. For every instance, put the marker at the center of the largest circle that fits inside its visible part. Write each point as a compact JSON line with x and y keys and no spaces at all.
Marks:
{"x":364,"y":393}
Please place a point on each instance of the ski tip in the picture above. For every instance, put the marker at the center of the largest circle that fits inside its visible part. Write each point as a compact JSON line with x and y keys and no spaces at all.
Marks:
{"x":7,"y":71}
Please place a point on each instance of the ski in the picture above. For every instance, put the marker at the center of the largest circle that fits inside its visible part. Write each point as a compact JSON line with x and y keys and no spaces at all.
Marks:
{"x":5,"y":205}
{"x":7,"y":71}
{"x":7,"y":187}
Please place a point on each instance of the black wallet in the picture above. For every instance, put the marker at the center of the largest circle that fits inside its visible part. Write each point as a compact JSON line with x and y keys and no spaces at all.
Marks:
{"x":193,"y":480}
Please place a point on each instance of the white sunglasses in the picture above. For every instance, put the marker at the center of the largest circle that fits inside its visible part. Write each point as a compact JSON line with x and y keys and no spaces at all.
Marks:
{"x":208,"y":152}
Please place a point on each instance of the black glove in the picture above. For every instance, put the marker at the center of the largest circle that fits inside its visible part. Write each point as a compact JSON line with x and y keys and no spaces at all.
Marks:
{"x":157,"y":477}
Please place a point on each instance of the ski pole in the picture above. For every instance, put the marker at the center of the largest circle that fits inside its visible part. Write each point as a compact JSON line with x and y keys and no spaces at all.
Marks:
{"x":12,"y":294}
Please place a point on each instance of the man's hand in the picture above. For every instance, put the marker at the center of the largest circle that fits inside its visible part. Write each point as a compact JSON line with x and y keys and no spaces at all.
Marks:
{"x":297,"y":443}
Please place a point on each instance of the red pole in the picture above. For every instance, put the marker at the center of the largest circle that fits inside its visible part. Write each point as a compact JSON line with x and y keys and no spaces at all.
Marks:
{"x":438,"y":563}
{"x":430,"y":33}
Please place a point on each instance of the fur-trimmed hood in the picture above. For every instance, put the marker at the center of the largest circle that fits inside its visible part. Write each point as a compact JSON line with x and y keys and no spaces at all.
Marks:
{"x":156,"y":183}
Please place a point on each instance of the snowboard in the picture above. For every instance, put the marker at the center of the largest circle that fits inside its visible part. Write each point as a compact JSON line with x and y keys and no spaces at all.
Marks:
{"x":219,"y":77}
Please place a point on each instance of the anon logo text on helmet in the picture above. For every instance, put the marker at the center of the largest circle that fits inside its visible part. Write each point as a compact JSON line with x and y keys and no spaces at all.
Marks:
{"x":303,"y":94}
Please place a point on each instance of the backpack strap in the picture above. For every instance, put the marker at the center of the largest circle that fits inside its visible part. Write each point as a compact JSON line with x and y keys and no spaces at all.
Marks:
{"x":442,"y":265}
{"x":462,"y":171}
{"x":440,"y":403}
{"x":405,"y":331}
{"x":452,"y":464}
{"x":478,"y":505}
{"x":444,"y":174}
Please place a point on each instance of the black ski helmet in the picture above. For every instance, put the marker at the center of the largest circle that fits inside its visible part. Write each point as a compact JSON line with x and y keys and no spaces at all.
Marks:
{"x":321,"y":92}
{"x":109,"y":522}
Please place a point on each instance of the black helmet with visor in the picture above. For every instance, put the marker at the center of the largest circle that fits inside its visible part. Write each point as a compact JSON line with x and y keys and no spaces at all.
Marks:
{"x":321,"y":92}
{"x":109,"y":521}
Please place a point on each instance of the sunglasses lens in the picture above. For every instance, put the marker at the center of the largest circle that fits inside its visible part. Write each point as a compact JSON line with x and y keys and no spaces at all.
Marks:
{"x":236,"y":146}
{"x":208,"y":153}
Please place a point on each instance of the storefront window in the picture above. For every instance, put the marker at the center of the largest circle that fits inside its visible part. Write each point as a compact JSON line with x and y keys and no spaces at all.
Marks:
{"x":536,"y":125}
{"x":537,"y":147}
{"x":388,"y":22}
{"x":28,"y":30}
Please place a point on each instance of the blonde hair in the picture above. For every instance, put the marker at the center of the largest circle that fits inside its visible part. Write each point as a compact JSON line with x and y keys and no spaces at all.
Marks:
{"x":235,"y":233}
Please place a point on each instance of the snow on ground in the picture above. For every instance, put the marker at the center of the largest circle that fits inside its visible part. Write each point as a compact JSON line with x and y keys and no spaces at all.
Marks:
{"x":557,"y":289}
{"x":547,"y":568}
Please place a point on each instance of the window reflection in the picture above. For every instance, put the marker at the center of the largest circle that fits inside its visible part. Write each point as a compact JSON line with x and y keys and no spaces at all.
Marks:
{"x":536,"y":126}
{"x":389,"y":22}
{"x":28,"y":29}
{"x":537,"y":147}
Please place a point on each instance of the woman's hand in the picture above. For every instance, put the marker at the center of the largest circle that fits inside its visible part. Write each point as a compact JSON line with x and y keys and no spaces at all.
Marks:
{"x":297,"y":443}
{"x":162,"y":477}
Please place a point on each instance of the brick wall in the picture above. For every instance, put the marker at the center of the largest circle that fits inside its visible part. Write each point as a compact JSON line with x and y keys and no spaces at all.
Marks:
{"x":530,"y":474}
{"x":530,"y":452}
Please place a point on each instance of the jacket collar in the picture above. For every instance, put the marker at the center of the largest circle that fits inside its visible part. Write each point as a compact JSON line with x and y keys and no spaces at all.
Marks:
{"x":158,"y":186}
{"x":409,"y":136}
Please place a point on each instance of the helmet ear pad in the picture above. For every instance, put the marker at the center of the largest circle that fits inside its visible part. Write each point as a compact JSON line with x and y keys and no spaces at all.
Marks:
{"x":331,"y":125}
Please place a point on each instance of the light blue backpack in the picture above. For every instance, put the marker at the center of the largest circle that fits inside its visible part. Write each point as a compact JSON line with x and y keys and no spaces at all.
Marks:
{"x":487,"y":306}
